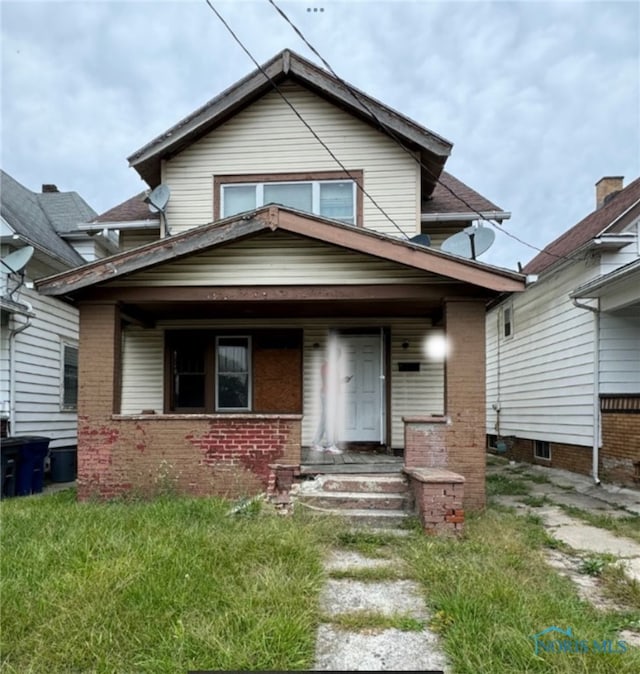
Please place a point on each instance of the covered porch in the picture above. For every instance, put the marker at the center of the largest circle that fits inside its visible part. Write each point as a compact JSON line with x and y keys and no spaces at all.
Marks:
{"x":201,"y":356}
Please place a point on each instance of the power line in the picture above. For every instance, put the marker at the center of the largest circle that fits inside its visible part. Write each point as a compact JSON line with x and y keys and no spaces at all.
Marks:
{"x":393,"y":136}
{"x":299,"y":116}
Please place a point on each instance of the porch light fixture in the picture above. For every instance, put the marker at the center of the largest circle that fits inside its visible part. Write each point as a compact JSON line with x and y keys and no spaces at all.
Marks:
{"x":405,"y":344}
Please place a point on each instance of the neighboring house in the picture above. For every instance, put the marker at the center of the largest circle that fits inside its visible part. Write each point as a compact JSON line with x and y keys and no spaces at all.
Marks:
{"x":563,"y":358}
{"x":202,"y":349}
{"x":39,"y":336}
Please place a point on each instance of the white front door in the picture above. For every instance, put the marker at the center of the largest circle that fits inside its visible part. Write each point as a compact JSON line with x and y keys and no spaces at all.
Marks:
{"x":362,"y":388}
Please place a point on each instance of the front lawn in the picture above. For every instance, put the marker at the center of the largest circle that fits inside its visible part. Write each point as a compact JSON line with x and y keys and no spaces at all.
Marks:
{"x":167,"y":586}
{"x":179,"y":584}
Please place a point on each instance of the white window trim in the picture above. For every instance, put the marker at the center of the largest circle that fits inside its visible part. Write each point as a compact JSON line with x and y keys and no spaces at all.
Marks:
{"x":315,"y":194}
{"x":249,"y":375}
{"x":64,"y":344}
{"x":535,"y":450}
{"x":508,"y":307}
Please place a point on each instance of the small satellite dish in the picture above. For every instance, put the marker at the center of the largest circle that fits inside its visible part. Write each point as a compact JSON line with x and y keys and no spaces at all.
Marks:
{"x":17,"y":260}
{"x":470,"y":242}
{"x":421,"y":239}
{"x":158,"y":199}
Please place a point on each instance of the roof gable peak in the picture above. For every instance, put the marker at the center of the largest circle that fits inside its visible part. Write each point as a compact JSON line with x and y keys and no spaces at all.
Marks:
{"x":287,"y":64}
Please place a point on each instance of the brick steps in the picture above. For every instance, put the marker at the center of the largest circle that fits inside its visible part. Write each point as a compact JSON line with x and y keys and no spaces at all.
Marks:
{"x":365,"y":500}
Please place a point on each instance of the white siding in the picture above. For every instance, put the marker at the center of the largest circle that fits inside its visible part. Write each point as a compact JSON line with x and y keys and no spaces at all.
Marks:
{"x":267,"y":137}
{"x":542,"y":377}
{"x":619,"y":354}
{"x":412,"y":392}
{"x":38,"y":370}
{"x":276,"y":259}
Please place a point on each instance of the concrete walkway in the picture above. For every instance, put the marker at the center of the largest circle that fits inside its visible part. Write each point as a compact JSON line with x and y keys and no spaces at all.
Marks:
{"x":374,"y":650}
{"x":563,"y":488}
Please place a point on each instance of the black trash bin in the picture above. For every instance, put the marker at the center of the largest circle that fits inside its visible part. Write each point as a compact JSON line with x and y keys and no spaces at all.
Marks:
{"x":9,"y":459}
{"x":33,"y":452}
{"x":64,"y":464}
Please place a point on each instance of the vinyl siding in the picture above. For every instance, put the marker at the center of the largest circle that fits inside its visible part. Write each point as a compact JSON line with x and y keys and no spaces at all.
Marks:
{"x":129,"y":239}
{"x":38,"y":371}
{"x":276,"y":259}
{"x":267,"y":137}
{"x":619,"y":354}
{"x":542,"y":376}
{"x":412,"y":392}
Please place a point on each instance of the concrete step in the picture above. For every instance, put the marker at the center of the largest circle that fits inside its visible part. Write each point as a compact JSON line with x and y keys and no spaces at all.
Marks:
{"x":370,"y":483}
{"x":355,"y":500}
{"x":369,"y":518}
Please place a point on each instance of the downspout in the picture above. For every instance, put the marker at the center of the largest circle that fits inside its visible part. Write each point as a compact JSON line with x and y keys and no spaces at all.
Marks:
{"x":596,"y":384}
{"x":12,"y":367}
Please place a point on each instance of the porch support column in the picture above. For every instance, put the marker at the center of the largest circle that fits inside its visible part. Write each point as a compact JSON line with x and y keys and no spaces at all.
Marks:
{"x":98,"y":393}
{"x":465,"y":396}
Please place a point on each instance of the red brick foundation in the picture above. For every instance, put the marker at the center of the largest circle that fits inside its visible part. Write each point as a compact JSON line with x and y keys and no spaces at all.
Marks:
{"x":620,"y":452}
{"x":217,"y":455}
{"x":438,"y":497}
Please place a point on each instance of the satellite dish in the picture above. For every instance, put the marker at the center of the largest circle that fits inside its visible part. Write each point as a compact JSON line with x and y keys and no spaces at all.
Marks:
{"x":421,"y":239}
{"x":470,"y":242}
{"x":17,"y":260}
{"x":158,"y":199}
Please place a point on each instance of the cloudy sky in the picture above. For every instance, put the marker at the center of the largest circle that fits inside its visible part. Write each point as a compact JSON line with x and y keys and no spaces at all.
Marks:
{"x":540,"y":99}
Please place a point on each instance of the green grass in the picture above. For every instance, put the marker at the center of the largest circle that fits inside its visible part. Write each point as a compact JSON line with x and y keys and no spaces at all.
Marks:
{"x":370,"y":620}
{"x":620,"y":526}
{"x":492,"y":590}
{"x":180,"y":584}
{"x":374,"y":574}
{"x":166,"y":586}
{"x":499,"y":485}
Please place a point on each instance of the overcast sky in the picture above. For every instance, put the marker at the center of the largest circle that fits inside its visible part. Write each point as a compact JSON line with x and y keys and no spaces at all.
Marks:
{"x":540,"y":99}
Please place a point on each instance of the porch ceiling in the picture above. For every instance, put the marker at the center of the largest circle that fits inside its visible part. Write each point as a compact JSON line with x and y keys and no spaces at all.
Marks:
{"x":152,"y":312}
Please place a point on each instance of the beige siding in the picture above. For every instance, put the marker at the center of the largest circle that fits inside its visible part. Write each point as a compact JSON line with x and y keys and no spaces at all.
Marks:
{"x":133,"y":239}
{"x":142,"y":370}
{"x":267,"y":137}
{"x":276,"y":259}
{"x":412,"y":392}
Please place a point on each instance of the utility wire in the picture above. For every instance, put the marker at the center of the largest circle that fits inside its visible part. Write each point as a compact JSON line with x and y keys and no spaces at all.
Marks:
{"x":299,"y":116}
{"x":394,"y":137}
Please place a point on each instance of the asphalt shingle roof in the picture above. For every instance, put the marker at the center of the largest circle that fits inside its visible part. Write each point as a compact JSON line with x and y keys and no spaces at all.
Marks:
{"x":607,"y":217}
{"x":41,"y":218}
{"x":442,"y":201}
{"x":130,"y":210}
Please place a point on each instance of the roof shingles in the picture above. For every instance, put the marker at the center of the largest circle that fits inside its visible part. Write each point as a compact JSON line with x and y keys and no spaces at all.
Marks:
{"x":607,"y":217}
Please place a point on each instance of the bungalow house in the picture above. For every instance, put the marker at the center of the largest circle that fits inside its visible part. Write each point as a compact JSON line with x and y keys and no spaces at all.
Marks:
{"x":39,"y":336}
{"x":202,"y":344}
{"x":563,"y":358}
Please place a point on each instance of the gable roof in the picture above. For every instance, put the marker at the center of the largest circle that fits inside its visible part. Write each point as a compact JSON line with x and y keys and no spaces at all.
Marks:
{"x":272,"y":218}
{"x":433,"y":149}
{"x":41,"y":218}
{"x":611,"y":218}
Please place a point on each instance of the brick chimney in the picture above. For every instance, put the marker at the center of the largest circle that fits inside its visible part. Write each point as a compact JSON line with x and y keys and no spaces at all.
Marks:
{"x":606,"y":187}
{"x":49,"y":188}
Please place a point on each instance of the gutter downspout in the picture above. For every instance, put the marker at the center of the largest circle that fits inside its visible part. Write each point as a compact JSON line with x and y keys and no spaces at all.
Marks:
{"x":596,"y":384}
{"x":12,"y":367}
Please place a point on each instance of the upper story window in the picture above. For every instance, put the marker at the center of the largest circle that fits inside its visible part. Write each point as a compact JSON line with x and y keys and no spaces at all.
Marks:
{"x":331,"y":194}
